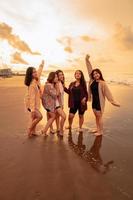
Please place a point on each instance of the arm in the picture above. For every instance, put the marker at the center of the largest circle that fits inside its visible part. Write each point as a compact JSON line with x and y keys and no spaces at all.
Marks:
{"x":67,"y":90}
{"x":57,"y":89}
{"x":86,"y":94}
{"x":109,"y":96}
{"x":88,"y":64}
{"x":40,"y":69}
{"x":85,"y":98}
{"x":32,"y":98}
{"x":51,"y":91}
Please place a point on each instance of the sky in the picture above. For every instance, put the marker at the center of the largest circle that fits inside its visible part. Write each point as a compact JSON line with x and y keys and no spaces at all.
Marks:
{"x":64,"y":31}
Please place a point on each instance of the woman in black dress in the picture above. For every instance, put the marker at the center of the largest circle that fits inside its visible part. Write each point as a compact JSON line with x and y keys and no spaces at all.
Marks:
{"x":78,"y":98}
{"x":98,"y":91}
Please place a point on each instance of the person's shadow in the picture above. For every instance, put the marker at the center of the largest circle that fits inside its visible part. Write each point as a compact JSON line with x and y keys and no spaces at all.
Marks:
{"x":78,"y":148}
{"x":92,"y":156}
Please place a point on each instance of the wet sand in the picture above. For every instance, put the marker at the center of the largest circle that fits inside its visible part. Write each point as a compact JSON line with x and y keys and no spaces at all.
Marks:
{"x":79,"y":167}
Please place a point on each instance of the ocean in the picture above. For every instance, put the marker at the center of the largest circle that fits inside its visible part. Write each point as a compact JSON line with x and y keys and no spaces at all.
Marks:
{"x":111,"y":78}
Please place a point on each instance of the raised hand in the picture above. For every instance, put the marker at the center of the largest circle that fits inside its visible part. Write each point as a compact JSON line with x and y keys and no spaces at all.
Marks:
{"x":42,"y":63}
{"x":88,"y":64}
{"x":40,"y":69}
{"x":87,"y":57}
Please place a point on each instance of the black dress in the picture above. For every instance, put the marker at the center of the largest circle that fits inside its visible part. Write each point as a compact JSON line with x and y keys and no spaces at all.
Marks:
{"x":76,"y":92}
{"x":95,"y":96}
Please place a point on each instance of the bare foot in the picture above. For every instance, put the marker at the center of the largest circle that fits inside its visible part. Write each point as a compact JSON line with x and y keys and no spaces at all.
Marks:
{"x":68,"y":127}
{"x":29,"y":132}
{"x":60,"y":133}
{"x":98,"y":133}
{"x":52,"y":132}
{"x":30,"y":135}
{"x":94,"y":130}
{"x":45,"y":134}
{"x":35,"y":134}
{"x":80,"y":130}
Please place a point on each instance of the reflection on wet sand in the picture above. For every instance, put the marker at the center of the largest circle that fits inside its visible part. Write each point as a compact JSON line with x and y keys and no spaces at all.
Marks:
{"x":92,"y":156}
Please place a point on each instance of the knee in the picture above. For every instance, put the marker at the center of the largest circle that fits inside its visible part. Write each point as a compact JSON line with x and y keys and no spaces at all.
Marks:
{"x":57,"y":115}
{"x":40,"y":117}
{"x":81,"y":116}
{"x":53,"y":116}
{"x":98,"y":117}
{"x":71,"y":116}
{"x":64,"y":117}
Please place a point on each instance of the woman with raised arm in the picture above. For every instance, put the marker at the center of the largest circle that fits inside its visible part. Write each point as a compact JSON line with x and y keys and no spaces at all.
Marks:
{"x":78,"y":98}
{"x":97,"y":91}
{"x":32,"y":100}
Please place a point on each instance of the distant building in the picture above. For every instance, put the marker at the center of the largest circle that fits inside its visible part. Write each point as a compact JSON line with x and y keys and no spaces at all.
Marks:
{"x":6,"y":72}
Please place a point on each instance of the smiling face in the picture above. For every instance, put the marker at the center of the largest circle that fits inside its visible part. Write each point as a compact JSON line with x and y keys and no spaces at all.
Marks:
{"x":77,"y":75}
{"x":61,"y":76}
{"x":96,"y":75}
{"x":55,"y":78}
{"x":34,"y":74}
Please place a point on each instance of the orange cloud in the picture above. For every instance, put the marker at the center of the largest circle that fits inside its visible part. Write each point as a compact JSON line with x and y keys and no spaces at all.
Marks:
{"x":66,"y":41}
{"x":68,"y":49}
{"x":14,"y":40}
{"x":86,"y":38}
{"x":124,"y":37}
{"x":17,"y":59}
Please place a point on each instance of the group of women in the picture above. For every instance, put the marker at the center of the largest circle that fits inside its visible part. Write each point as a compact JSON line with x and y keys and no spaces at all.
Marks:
{"x":52,"y":98}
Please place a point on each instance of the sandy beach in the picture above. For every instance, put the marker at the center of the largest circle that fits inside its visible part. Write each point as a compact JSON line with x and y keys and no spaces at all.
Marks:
{"x":79,"y":167}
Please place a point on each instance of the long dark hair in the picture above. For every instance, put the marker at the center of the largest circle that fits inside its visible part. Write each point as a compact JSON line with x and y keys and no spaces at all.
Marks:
{"x":60,"y":71}
{"x":82,"y":80}
{"x":51,"y":77}
{"x":28,"y":76}
{"x":99,"y":72}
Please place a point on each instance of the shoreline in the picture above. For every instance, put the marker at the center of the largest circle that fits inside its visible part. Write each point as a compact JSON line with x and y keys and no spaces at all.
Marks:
{"x":20,"y":78}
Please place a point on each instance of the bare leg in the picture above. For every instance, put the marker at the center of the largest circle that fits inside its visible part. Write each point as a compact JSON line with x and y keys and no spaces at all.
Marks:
{"x":99,"y":122}
{"x":81,"y":121}
{"x":34,"y":129}
{"x":62,"y":114}
{"x":97,"y":125}
{"x":57,"y":122}
{"x":70,"y":120}
{"x":38,"y":117}
{"x":51,"y":127}
{"x":49,"y":122}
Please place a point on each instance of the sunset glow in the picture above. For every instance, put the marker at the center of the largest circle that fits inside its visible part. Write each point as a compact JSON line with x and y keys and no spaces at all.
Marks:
{"x":63,"y":32}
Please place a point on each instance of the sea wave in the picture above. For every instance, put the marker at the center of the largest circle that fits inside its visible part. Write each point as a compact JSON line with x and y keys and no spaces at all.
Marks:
{"x":121,"y":82}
